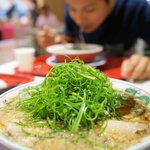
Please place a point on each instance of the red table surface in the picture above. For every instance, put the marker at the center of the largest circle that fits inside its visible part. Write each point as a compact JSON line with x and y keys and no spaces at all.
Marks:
{"x":16,"y":79}
{"x":111,"y":68}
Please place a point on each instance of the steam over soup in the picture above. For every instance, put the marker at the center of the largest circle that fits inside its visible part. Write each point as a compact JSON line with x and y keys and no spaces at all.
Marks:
{"x":75,"y":108}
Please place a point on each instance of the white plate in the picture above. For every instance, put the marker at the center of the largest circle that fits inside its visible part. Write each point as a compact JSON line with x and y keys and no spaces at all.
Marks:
{"x":100,"y":61}
{"x":145,"y":142}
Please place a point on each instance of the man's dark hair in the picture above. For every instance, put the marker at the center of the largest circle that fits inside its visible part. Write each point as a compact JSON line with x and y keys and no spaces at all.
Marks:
{"x":107,"y":1}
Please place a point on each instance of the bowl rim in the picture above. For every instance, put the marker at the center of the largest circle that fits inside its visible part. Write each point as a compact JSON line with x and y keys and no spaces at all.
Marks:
{"x":53,"y":49}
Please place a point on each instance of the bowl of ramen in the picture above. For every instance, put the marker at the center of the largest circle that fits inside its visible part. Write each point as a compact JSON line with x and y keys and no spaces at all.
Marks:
{"x":67,"y":52}
{"x":75,"y":107}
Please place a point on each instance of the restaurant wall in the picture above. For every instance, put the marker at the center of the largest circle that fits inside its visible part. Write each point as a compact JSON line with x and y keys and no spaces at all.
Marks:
{"x":56,"y":6}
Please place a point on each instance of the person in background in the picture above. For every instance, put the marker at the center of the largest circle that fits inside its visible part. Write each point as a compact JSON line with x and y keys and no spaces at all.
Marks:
{"x":10,"y":11}
{"x":46,"y":17}
{"x":116,"y":24}
{"x":34,"y":12}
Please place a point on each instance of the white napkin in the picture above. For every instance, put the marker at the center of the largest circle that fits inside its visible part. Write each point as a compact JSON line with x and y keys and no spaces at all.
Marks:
{"x":3,"y":84}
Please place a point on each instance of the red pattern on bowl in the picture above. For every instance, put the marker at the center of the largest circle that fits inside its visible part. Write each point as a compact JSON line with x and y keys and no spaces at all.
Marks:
{"x":87,"y":58}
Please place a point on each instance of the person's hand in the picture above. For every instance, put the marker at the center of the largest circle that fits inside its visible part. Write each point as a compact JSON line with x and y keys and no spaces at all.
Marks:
{"x":46,"y":38}
{"x":137,"y":67}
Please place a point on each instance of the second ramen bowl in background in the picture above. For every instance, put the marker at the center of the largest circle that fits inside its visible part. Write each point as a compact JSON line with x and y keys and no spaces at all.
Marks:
{"x":67,"y":52}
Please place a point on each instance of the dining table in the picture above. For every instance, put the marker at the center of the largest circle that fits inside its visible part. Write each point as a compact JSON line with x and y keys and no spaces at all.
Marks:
{"x":112,"y":69}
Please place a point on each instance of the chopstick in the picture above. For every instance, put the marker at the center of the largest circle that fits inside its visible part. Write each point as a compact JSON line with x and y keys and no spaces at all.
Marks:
{"x":81,"y":43}
{"x":81,"y":37}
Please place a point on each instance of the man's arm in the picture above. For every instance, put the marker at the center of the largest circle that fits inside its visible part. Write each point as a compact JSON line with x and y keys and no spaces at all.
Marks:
{"x":46,"y":38}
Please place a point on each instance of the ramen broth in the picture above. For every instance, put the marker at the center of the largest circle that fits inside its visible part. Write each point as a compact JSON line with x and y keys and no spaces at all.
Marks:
{"x":110,"y":135}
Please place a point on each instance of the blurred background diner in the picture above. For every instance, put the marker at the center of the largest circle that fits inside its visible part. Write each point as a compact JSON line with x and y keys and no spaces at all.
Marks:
{"x":20,"y":21}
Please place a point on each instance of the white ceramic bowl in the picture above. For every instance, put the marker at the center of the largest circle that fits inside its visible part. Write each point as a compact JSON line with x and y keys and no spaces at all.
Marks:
{"x":122,"y":85}
{"x":66,"y":52}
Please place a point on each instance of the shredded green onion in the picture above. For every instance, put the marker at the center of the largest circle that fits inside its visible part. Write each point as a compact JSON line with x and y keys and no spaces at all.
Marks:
{"x":73,"y":96}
